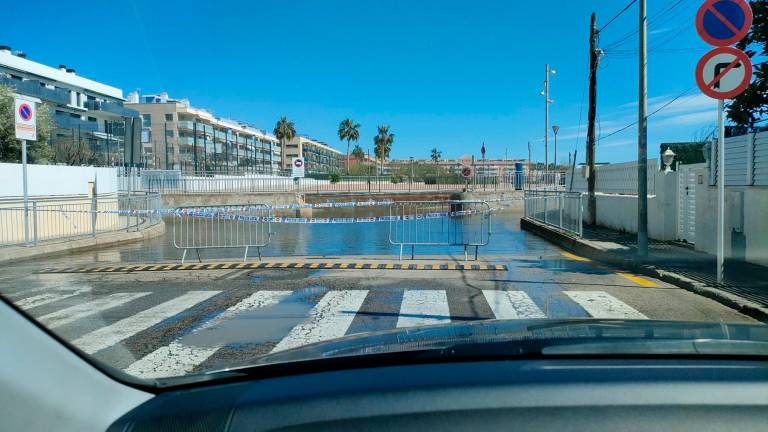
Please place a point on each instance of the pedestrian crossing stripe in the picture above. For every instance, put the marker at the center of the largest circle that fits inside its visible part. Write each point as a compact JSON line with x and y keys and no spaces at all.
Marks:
{"x":280,"y":265}
{"x":331,"y":316}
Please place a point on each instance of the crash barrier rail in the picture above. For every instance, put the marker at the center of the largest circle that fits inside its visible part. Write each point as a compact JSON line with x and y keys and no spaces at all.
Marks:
{"x":175,"y":182}
{"x":563,"y":210}
{"x":440,"y":223}
{"x":214,"y":227}
{"x":71,"y":218}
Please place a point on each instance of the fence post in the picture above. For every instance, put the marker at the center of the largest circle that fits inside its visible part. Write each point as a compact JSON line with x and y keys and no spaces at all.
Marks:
{"x":34,"y":222}
{"x":93,"y":214}
{"x":560,"y":202}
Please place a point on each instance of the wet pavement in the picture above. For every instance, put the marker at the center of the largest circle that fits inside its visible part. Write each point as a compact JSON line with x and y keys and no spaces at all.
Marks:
{"x":169,"y":323}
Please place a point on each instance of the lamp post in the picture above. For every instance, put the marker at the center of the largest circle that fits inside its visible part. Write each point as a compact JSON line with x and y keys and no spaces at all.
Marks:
{"x":555,"y":129}
{"x":667,"y":157}
{"x":547,"y":101}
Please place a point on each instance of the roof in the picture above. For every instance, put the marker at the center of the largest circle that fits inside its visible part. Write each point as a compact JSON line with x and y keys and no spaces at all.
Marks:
{"x":28,"y":66}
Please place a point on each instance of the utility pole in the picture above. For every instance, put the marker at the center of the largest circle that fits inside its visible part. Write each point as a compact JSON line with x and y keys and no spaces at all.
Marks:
{"x":591,"y":174}
{"x":642,"y":144}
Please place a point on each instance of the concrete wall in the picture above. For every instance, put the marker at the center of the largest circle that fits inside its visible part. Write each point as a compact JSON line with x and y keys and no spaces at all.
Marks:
{"x":755,"y":221}
{"x":48,"y":180}
{"x":619,"y":212}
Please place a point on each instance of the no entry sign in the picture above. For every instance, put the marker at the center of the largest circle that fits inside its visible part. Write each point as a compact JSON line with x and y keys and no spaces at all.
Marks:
{"x":723,"y":22}
{"x":723,"y":73}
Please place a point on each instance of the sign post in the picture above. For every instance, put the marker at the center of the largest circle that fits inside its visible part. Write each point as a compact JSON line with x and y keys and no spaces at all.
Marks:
{"x":26,"y":129}
{"x":723,"y":73}
{"x":297,"y":167}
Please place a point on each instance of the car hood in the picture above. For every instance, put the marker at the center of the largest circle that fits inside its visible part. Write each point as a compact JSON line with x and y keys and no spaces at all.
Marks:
{"x":546,"y":336}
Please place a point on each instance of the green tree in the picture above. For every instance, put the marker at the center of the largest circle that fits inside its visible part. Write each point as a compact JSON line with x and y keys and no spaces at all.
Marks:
{"x":350,"y":131}
{"x":436,"y":155}
{"x":10,"y":148}
{"x":358,"y":153}
{"x":751,"y":106}
{"x":383,"y":143}
{"x":284,"y":131}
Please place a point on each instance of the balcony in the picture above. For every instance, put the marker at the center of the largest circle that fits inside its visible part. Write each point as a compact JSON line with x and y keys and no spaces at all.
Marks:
{"x":111,"y":108}
{"x":67,"y":122}
{"x":35,"y":89}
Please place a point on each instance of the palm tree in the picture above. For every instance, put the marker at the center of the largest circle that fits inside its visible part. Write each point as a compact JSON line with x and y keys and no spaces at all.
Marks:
{"x":284,"y":131}
{"x":383,"y":144}
{"x":358,"y":153}
{"x":350,"y":131}
{"x":436,"y":155}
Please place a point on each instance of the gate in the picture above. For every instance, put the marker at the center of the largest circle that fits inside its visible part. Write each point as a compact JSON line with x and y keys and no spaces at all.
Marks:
{"x":687,"y":178}
{"x":439,"y":223}
{"x":211,"y":227}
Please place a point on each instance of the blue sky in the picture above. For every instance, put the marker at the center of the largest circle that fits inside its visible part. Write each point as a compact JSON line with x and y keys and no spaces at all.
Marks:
{"x":446,"y":74}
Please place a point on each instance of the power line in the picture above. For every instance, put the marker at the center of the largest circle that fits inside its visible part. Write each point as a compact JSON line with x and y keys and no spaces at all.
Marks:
{"x":670,"y":102}
{"x":617,"y":15}
{"x":658,"y":19}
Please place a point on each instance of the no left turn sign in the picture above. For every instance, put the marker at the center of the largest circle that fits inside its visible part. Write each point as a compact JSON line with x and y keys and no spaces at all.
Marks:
{"x":723,"y":73}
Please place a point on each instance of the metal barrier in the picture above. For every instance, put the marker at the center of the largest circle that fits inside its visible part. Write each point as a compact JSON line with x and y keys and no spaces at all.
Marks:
{"x":560,"y":209}
{"x":212,"y":227}
{"x":70,"y":218}
{"x":439,"y":223}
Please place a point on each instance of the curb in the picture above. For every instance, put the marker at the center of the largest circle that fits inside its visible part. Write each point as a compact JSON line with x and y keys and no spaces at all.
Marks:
{"x":593,"y":251}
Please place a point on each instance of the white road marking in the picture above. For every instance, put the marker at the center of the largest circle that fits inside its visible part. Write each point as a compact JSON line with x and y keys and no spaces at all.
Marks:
{"x":125,"y":328}
{"x":82,"y":310}
{"x":44,"y":299}
{"x":600,"y":304}
{"x":512,"y":305}
{"x":329,"y":318}
{"x":423,"y":307}
{"x":176,"y":359}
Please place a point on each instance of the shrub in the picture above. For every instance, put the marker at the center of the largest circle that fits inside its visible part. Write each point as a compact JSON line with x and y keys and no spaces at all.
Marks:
{"x":396,"y":178}
{"x":335,"y":177}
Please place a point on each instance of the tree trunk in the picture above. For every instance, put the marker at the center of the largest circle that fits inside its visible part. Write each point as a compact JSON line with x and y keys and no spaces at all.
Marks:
{"x":347,"y":157}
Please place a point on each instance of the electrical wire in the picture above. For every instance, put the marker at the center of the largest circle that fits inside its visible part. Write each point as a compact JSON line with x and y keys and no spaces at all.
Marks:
{"x":617,"y":15}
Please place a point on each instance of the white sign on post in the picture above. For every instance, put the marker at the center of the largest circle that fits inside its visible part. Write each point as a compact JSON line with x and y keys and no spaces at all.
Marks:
{"x":297,"y":167}
{"x":24,"y":113}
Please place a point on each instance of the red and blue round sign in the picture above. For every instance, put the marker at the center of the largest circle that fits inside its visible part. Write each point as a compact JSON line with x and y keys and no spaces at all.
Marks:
{"x":298,"y":163}
{"x":25,"y":112}
{"x":723,"y":73}
{"x":723,"y":22}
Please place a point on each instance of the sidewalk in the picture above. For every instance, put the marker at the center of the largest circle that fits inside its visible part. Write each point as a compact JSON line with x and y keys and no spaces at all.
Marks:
{"x":745,"y":285}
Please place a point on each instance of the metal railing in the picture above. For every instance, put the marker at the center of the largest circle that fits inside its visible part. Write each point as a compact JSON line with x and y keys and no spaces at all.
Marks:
{"x":175,"y":182}
{"x":72,"y":218}
{"x":439,"y":223}
{"x":559,"y":209}
{"x":213,"y":227}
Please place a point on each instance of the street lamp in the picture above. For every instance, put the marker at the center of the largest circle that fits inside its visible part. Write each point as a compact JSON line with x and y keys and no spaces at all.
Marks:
{"x":667,"y":157}
{"x":555,"y":129}
{"x":547,"y":101}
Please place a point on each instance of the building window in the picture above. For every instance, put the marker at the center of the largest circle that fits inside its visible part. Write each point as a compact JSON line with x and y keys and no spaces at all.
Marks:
{"x":146,"y":120}
{"x":169,"y":117}
{"x":169,"y":133}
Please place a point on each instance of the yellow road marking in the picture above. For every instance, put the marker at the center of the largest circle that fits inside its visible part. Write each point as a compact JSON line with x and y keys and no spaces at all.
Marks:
{"x":575,"y":257}
{"x":638,"y":280}
{"x":389,"y":266}
{"x":314,"y":265}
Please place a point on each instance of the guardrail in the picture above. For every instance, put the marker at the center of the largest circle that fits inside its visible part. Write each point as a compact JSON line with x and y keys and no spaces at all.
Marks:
{"x":439,"y":223}
{"x":213,"y":227}
{"x":71,"y":218}
{"x":559,"y":209}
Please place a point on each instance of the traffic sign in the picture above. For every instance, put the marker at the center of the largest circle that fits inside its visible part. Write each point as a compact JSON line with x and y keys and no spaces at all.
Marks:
{"x":466,"y":172}
{"x":723,"y":22}
{"x":297,"y":167}
{"x":723,"y":73}
{"x":26,"y":125}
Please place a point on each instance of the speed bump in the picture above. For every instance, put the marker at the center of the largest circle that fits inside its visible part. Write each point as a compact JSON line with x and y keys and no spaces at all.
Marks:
{"x":278,"y":265}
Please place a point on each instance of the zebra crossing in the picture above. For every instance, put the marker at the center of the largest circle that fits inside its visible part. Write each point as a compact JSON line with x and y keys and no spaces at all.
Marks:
{"x":329,"y":315}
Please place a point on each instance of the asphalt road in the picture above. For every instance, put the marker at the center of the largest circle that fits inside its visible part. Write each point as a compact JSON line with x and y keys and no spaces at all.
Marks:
{"x":154,"y":324}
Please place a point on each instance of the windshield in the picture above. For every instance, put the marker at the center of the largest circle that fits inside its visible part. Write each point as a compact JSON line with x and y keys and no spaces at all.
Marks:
{"x":217,"y":186}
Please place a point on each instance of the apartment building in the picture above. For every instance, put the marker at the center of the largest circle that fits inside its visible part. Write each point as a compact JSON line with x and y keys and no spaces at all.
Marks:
{"x":318,"y":156}
{"x":178,"y":136}
{"x":486,"y":168}
{"x":92,"y":125}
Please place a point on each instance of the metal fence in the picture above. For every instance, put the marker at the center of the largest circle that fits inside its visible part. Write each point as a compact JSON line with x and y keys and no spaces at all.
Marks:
{"x":174,"y":182}
{"x":619,"y":178}
{"x":746,"y":160}
{"x":560,"y":209}
{"x":213,"y":227}
{"x":439,"y":223}
{"x":64,"y":219}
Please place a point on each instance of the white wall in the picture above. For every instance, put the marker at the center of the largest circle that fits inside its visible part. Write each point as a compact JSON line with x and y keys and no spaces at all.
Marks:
{"x":48,"y":180}
{"x":619,"y":212}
